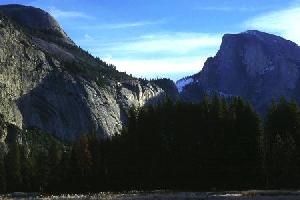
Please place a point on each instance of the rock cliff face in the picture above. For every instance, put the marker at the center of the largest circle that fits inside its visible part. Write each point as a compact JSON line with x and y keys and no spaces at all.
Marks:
{"x":47,"y":82}
{"x":255,"y":65}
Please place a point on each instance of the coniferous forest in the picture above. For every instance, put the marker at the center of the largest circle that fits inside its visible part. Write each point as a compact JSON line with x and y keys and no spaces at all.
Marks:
{"x":216,"y":144}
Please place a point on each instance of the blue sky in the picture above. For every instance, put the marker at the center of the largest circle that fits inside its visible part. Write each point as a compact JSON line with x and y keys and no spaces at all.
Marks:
{"x":166,"y":38}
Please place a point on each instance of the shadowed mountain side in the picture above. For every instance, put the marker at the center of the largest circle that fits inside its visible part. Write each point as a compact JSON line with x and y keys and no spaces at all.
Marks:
{"x":56,"y":106}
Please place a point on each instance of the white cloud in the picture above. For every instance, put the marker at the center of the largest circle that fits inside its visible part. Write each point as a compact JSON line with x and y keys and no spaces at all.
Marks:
{"x":159,"y":53}
{"x":123,"y":25}
{"x":134,"y":24}
{"x":172,"y":43}
{"x":87,"y":37}
{"x":151,"y":55}
{"x":175,"y":43}
{"x":57,"y":13}
{"x":282,"y":22}
{"x":144,"y":67}
{"x":230,"y":8}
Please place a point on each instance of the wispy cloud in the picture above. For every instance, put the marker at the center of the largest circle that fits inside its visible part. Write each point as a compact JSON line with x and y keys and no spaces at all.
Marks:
{"x":87,"y":37}
{"x":169,"y":43}
{"x":159,"y":53}
{"x":57,"y":13}
{"x":134,"y":24}
{"x":231,"y":8}
{"x":283,"y":22}
{"x":123,"y":25}
{"x":142,"y":67}
{"x":176,"y":43}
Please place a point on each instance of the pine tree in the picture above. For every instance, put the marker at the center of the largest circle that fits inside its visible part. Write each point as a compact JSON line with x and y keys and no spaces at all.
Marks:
{"x":53,"y":161}
{"x":26,"y":170}
{"x":281,"y":138}
{"x":42,"y":171}
{"x":13,"y":168}
{"x":2,"y":173}
{"x":81,"y":163}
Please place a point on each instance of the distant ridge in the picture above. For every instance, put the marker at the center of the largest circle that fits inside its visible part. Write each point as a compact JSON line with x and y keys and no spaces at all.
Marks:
{"x":253,"y":64}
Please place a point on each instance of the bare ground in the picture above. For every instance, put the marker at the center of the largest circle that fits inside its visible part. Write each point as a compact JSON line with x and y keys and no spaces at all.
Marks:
{"x":158,"y":195}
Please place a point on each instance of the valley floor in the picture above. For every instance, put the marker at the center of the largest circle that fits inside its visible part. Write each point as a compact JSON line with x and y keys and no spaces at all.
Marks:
{"x":157,"y":195}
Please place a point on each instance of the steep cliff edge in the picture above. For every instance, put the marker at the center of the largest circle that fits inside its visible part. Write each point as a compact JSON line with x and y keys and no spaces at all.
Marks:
{"x":47,"y":82}
{"x":255,"y":65}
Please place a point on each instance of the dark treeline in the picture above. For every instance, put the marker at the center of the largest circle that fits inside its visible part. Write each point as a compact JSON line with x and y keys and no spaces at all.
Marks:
{"x":212,"y":145}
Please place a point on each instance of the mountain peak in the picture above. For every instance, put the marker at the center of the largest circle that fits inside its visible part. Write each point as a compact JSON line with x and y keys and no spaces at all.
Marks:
{"x":255,"y":32}
{"x":251,"y":35}
{"x":35,"y":19}
{"x":255,"y":65}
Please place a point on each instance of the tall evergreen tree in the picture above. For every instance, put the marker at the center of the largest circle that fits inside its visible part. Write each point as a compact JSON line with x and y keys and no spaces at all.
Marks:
{"x":13,"y":167}
{"x":26,"y":170}
{"x":2,"y":172}
{"x":281,"y":139}
{"x":53,"y":161}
